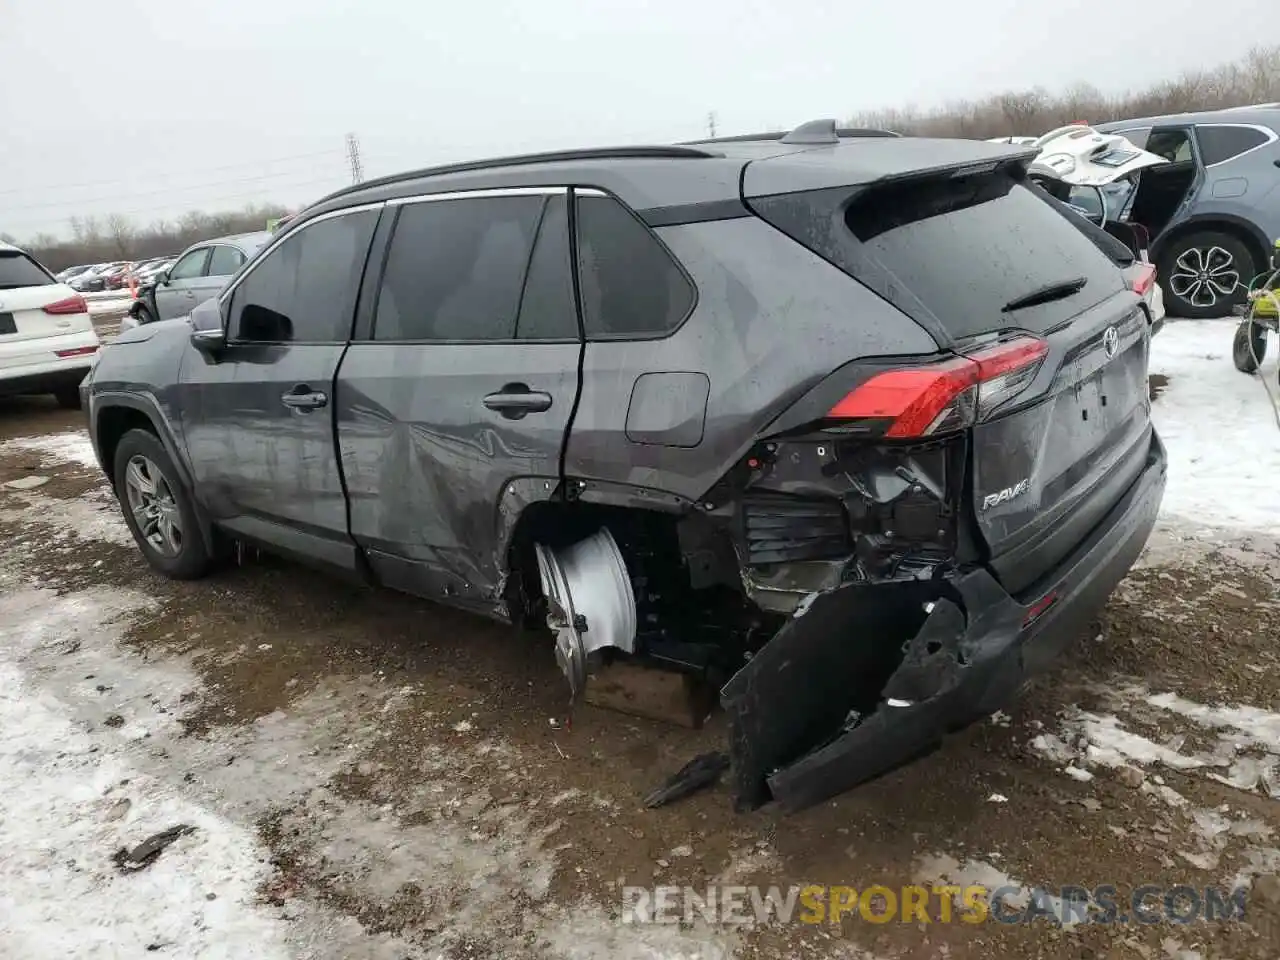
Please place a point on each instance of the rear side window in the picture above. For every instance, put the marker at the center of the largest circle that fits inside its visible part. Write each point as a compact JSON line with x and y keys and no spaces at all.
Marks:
{"x":456,"y":268}
{"x":631,"y":288}
{"x":305,"y":289}
{"x":19,"y":270}
{"x":1219,"y":143}
{"x":969,"y":247}
{"x":224,"y":261}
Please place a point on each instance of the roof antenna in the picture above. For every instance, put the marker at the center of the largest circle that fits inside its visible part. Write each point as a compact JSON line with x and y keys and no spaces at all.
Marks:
{"x":813,"y":132}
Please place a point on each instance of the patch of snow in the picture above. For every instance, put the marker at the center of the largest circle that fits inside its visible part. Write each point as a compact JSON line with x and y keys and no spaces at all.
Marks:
{"x":55,"y":449}
{"x":91,"y":517}
{"x":61,"y":819}
{"x":1219,"y":430}
{"x":943,"y":868}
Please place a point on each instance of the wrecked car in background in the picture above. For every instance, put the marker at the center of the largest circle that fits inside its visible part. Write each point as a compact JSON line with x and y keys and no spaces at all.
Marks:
{"x":855,"y":427}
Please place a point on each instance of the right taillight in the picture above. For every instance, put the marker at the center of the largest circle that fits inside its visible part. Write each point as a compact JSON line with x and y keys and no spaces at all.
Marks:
{"x":937,"y":398}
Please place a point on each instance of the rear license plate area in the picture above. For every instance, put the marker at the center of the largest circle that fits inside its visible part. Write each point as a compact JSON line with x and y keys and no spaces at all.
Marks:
{"x":7,"y":324}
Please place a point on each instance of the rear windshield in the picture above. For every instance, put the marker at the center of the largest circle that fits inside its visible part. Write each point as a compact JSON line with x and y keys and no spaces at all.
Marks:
{"x":19,"y":270}
{"x":968,"y":247}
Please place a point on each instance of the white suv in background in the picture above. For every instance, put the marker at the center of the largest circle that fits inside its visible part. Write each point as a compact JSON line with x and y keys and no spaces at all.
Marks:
{"x":47,"y":341}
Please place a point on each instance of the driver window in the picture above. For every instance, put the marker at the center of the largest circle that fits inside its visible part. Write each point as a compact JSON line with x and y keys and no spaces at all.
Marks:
{"x":191,"y":266}
{"x":304,"y":291}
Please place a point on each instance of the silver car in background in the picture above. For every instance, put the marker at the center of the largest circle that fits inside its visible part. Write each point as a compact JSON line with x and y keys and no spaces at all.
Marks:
{"x":198,"y":274}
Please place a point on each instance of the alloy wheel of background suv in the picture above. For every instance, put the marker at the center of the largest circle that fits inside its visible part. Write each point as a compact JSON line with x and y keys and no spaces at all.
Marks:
{"x":1205,"y":275}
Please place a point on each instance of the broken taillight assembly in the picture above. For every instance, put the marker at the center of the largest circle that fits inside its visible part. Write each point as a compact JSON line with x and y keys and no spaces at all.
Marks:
{"x":941,"y":397}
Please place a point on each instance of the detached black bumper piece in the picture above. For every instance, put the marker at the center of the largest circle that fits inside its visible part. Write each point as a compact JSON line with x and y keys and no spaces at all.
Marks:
{"x":798,"y":733}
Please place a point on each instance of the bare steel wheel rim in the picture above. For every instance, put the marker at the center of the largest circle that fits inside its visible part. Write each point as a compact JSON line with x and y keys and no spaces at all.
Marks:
{"x":154,"y":508}
{"x":1205,"y":276}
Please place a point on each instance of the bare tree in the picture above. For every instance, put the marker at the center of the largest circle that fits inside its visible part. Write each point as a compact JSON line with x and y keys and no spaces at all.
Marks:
{"x":121,"y":231}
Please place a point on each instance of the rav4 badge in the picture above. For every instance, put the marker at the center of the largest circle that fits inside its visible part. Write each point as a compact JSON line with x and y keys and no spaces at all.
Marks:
{"x":1005,"y":495}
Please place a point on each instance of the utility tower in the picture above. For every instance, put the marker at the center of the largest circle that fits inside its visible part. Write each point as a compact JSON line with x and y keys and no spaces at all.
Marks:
{"x":353,"y":155}
{"x":711,"y":124}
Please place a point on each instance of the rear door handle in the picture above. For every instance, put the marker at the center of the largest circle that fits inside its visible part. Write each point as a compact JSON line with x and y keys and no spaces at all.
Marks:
{"x":516,"y":400}
{"x":303,"y":398}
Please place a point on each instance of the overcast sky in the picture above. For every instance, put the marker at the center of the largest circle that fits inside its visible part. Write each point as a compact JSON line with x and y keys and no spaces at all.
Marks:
{"x":155,"y":107}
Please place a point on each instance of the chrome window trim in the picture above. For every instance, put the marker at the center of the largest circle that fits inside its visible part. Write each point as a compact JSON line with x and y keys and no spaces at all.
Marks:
{"x":479,"y":193}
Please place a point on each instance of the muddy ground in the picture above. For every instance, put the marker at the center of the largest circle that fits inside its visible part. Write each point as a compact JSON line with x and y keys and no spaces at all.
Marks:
{"x":415,"y":788}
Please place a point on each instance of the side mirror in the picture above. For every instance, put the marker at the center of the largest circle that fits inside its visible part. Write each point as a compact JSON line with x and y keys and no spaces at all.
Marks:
{"x":162,"y":278}
{"x":208,"y":332}
{"x":209,"y":342}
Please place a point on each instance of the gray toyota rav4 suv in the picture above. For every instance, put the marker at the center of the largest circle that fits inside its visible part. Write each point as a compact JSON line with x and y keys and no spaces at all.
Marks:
{"x":855,"y":427}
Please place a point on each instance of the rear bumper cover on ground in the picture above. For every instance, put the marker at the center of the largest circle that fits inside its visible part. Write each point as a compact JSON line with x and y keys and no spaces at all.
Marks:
{"x":970,"y":657}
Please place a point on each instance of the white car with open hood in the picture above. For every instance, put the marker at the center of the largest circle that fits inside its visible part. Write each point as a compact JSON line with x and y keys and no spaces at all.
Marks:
{"x":47,"y":340}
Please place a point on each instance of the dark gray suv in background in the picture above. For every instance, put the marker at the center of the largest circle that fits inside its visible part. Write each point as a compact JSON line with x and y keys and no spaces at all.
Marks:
{"x":855,"y":426}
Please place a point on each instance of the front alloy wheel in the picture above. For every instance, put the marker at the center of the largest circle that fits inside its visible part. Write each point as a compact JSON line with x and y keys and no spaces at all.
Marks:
{"x":155,"y":510}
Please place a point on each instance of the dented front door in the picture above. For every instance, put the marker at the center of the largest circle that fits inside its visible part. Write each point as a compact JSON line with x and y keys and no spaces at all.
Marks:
{"x":464,"y":391}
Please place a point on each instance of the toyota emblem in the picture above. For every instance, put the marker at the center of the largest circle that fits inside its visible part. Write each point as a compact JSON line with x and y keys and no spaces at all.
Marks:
{"x":1111,"y":342}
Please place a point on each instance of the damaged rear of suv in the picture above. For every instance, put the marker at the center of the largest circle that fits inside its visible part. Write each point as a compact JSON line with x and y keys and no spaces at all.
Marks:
{"x":852,"y":427}
{"x":952,"y":471}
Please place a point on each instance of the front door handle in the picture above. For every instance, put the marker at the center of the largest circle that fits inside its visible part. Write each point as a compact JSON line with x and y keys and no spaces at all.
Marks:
{"x":303,"y":398}
{"x":516,"y":400}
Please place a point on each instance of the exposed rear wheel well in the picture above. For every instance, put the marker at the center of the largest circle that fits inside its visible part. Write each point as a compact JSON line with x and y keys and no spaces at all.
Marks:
{"x":113,"y":423}
{"x":683,"y":570}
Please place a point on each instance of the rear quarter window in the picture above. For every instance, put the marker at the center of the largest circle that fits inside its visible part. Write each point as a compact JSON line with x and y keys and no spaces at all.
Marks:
{"x":19,"y":270}
{"x":966,"y":247}
{"x":1222,"y":142}
{"x":631,"y":287}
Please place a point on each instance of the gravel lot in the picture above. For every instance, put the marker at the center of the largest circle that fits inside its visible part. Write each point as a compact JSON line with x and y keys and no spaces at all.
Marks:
{"x":370,"y":776}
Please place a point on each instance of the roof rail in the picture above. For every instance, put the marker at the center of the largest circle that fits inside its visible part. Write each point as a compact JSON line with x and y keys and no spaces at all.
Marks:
{"x":828,"y":127}
{"x":555,"y":156}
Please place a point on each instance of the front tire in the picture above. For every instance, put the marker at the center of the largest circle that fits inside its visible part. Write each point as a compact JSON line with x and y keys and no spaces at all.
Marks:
{"x":157,"y":507}
{"x":143,"y":316}
{"x":1204,"y":275}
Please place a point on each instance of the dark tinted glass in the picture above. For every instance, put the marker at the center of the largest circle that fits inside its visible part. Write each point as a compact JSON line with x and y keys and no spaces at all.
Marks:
{"x":1223,"y":143}
{"x":19,"y":270}
{"x":966,"y":247}
{"x":224,"y":261}
{"x":305,"y":290}
{"x":546,"y":307}
{"x":456,"y":268}
{"x":630,"y":285}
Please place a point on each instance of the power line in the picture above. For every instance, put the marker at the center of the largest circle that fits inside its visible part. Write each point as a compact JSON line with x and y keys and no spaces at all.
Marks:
{"x":243,"y":164}
{"x":153,"y":193}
